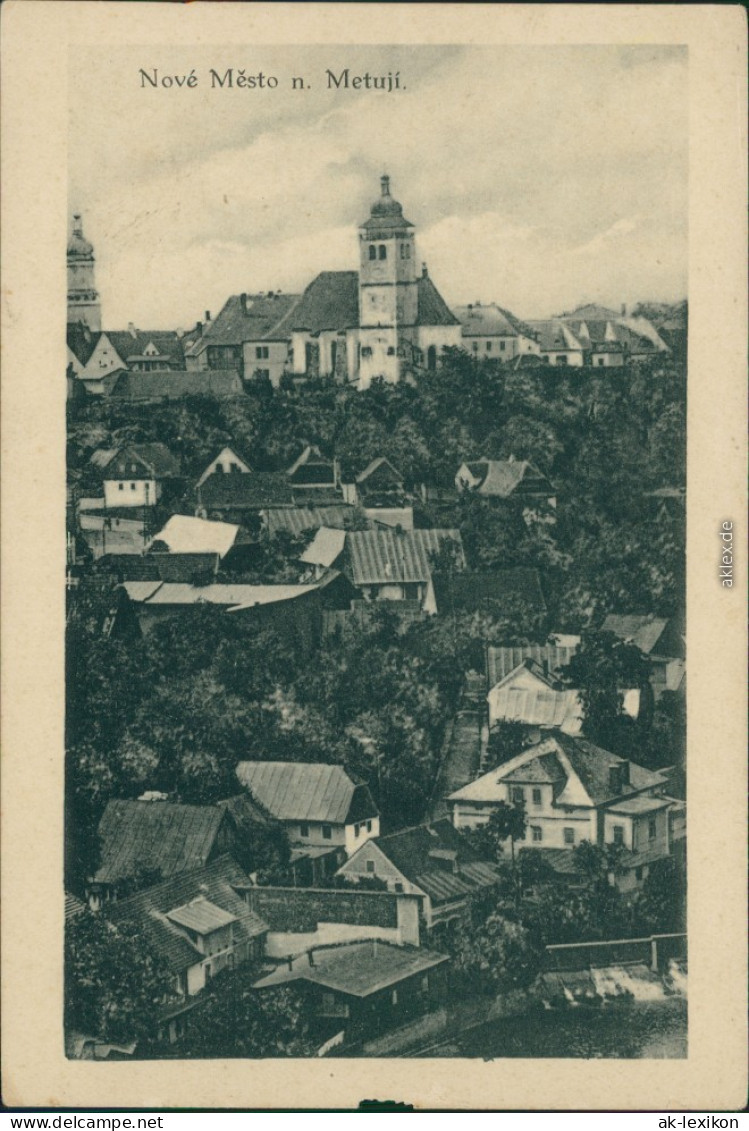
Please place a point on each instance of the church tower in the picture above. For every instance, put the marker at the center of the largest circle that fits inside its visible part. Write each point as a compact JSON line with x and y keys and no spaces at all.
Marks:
{"x":388,"y":290}
{"x":83,"y":298}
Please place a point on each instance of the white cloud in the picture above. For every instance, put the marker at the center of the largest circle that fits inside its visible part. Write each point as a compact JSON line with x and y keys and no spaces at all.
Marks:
{"x":536,"y":177}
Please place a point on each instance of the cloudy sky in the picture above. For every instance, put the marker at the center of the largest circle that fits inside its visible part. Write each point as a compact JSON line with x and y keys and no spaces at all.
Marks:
{"x":537,"y":177}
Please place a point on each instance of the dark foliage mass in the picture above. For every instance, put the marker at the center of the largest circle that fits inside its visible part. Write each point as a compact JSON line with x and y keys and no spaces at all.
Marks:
{"x":177,"y":709}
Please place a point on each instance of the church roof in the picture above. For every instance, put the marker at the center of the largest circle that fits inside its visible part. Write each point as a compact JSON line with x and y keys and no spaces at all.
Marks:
{"x":330,"y":302}
{"x":386,"y":212}
{"x":78,"y":246}
{"x":432,"y":308}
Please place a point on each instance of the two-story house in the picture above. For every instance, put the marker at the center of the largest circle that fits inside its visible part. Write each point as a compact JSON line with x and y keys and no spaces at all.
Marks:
{"x":135,"y":475}
{"x":199,"y":924}
{"x":573,"y":791}
{"x":431,"y":861}
{"x":396,"y":565}
{"x":323,"y":811}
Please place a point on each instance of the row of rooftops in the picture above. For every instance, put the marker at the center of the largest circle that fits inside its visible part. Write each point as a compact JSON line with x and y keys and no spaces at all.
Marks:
{"x":331,"y":303}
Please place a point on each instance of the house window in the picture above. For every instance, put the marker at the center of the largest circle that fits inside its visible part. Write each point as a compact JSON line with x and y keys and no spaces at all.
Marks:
{"x":618,"y":834}
{"x":356,"y":830}
{"x":398,"y":885}
{"x":537,"y":833}
{"x":370,"y":865}
{"x":391,"y":351}
{"x":536,"y":796}
{"x":261,"y":351}
{"x":122,"y":486}
{"x":501,"y":345}
{"x":369,"y":826}
{"x":652,"y":829}
{"x":517,"y":795}
{"x":638,"y":873}
{"x":488,"y":347}
{"x":601,"y":362}
{"x":569,"y":836}
{"x":475,"y":347}
{"x":328,"y":1003}
{"x":327,"y":832}
{"x":372,"y":251}
{"x":132,"y":486}
{"x":403,"y":251}
{"x":219,"y":468}
{"x":561,"y":359}
{"x":383,"y":251}
{"x":304,"y":830}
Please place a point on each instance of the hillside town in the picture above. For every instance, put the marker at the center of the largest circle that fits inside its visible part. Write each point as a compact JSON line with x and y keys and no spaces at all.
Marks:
{"x":376,"y":665}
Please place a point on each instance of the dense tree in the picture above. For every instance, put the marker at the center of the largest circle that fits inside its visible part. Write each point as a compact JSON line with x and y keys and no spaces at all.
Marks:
{"x":115,"y":984}
{"x":491,"y":953}
{"x":234,"y":1019}
{"x":602,"y":669}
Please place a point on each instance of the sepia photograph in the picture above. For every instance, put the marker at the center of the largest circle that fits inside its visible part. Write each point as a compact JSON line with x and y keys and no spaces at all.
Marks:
{"x":349,"y":577}
{"x":376,"y":670}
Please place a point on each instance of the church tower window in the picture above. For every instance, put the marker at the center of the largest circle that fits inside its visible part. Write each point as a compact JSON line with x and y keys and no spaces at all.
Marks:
{"x":372,"y":251}
{"x":383,"y":251}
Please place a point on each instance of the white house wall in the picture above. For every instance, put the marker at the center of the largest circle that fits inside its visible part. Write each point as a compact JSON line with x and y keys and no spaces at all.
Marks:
{"x":131,"y":492}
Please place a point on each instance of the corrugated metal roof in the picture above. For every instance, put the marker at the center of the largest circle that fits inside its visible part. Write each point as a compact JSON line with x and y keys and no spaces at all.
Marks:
{"x":201,"y":916}
{"x":159,"y":835}
{"x":325,"y":547}
{"x":538,"y":707}
{"x":443,"y":886}
{"x":377,"y":557}
{"x":299,"y":519}
{"x":184,"y":534}
{"x":501,"y":661}
{"x":306,"y":791}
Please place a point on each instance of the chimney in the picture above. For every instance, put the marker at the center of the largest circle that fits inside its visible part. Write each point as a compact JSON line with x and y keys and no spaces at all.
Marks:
{"x":243,"y":301}
{"x":624,"y":310}
{"x":199,"y":328}
{"x":131,"y":330}
{"x":290,"y":961}
{"x":77,"y":224}
{"x":424,"y":272}
{"x":385,"y":185}
{"x":207,"y":315}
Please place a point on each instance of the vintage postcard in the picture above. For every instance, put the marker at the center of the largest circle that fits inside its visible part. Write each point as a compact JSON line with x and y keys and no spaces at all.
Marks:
{"x":374,"y":581}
